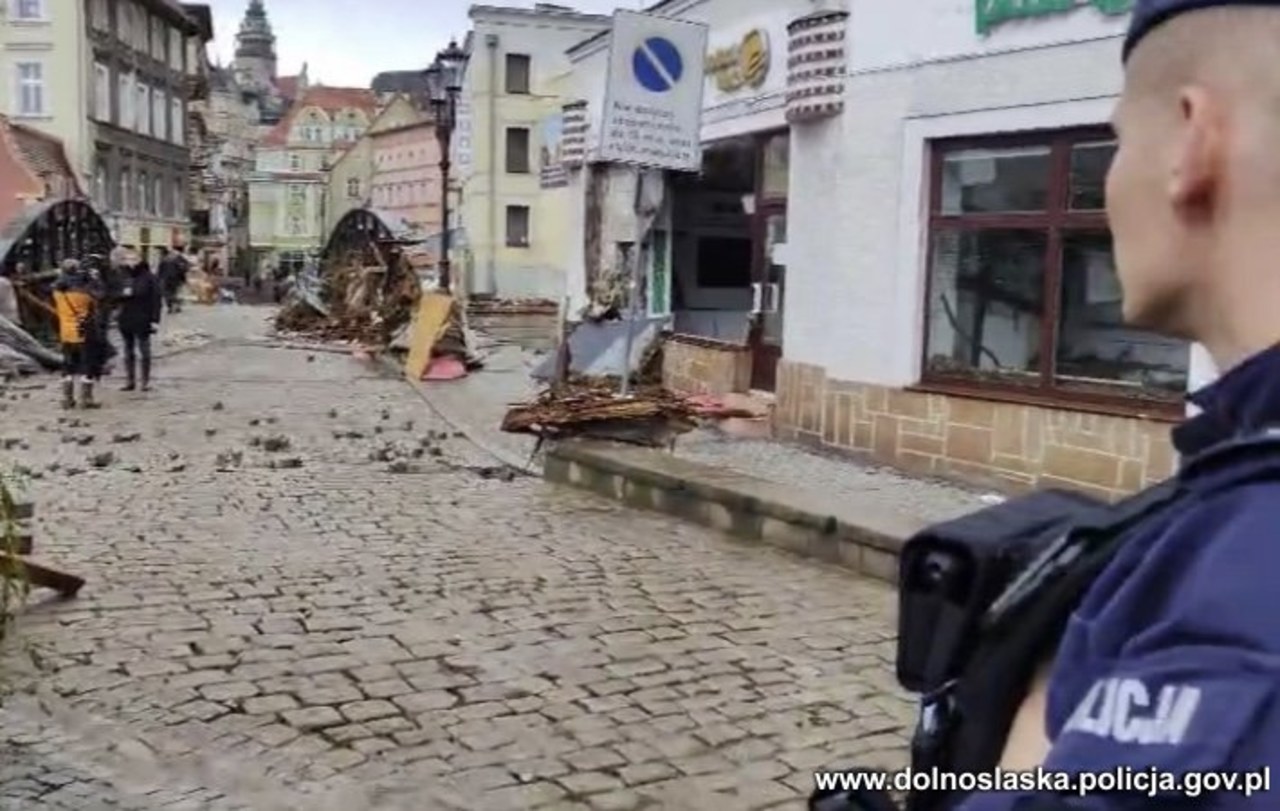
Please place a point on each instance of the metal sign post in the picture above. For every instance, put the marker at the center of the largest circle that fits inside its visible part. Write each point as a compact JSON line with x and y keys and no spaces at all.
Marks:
{"x":651,"y":119}
{"x":629,"y":266}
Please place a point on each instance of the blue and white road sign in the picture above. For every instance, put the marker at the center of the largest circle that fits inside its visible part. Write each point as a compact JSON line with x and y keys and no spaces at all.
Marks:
{"x":652,"y":109}
{"x":657,"y":64}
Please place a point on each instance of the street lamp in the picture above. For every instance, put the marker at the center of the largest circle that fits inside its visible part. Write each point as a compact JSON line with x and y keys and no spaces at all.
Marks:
{"x":444,"y":85}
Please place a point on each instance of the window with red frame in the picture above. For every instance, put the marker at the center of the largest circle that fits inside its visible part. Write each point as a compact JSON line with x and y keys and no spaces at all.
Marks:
{"x":1022,"y":291}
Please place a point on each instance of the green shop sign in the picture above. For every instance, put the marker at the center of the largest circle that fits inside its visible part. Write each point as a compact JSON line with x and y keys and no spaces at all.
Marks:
{"x":991,"y":13}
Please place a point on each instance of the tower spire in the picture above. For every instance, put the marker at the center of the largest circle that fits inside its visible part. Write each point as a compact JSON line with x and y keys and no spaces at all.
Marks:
{"x":256,"y":44}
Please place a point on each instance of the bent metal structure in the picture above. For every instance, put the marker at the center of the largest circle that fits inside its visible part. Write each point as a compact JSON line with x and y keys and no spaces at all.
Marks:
{"x":43,"y":235}
{"x":365,"y":232}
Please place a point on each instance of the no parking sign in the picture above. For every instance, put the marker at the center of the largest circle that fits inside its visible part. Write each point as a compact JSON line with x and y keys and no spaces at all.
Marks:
{"x":652,"y":113}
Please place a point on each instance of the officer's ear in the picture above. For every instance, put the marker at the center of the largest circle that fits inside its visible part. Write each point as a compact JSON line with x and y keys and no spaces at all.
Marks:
{"x":1198,"y":152}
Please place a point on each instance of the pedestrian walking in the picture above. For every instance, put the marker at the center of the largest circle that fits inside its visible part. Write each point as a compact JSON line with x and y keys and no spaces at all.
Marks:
{"x":173,"y":275}
{"x":139,"y":316}
{"x":77,"y":304}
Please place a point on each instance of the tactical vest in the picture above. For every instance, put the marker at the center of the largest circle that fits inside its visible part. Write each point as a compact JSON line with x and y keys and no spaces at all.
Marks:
{"x":984,"y":601}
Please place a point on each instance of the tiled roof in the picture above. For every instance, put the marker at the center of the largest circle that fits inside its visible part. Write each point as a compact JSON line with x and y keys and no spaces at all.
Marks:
{"x":288,"y":86}
{"x":31,"y":162}
{"x":329,"y":99}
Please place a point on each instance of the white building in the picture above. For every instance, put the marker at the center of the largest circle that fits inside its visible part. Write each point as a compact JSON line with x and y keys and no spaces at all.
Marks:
{"x":918,"y":188}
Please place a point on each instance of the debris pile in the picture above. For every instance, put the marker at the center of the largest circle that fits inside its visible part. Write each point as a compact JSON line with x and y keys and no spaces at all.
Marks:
{"x":592,"y":406}
{"x":364,"y":304}
{"x":22,"y":354}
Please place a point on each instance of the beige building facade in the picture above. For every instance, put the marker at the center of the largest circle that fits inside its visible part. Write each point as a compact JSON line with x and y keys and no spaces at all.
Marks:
{"x":350,"y":182}
{"x":514,"y":229}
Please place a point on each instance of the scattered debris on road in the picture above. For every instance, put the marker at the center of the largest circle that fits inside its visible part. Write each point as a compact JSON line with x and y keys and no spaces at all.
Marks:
{"x":650,"y":416}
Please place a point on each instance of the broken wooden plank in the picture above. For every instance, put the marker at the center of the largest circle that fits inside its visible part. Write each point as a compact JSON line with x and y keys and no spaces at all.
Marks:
{"x":66,"y":584}
{"x":22,"y":511}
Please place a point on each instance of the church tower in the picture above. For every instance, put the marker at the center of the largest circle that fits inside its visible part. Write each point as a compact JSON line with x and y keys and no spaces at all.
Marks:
{"x":255,"y":61}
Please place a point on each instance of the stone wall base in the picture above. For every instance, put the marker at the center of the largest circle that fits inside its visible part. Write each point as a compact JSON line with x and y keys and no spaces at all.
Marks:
{"x":692,"y":365}
{"x":1009,"y":446}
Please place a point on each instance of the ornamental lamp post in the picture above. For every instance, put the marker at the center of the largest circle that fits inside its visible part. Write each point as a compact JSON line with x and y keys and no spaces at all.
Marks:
{"x":443,"y":86}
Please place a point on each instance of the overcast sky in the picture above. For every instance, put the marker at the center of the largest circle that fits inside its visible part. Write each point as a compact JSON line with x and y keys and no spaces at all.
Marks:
{"x":346,"y":42}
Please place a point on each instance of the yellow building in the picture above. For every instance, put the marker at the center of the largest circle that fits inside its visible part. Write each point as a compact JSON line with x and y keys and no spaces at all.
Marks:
{"x":288,"y":189}
{"x":351,"y":177}
{"x":513,"y":211}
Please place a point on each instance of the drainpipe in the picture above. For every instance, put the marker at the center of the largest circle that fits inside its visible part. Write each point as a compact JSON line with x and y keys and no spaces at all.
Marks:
{"x":495,"y":144}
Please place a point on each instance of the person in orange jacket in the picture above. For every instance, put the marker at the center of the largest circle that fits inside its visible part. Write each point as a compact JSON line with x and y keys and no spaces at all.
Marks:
{"x":77,"y":302}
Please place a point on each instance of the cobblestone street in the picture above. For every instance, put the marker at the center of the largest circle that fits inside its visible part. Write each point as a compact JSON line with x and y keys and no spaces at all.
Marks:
{"x":307,"y":591}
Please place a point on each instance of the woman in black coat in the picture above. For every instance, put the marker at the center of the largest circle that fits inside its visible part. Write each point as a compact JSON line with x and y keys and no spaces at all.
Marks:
{"x":140,"y":303}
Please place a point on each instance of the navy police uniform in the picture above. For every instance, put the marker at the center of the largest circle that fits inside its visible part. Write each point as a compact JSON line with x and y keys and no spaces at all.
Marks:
{"x":1171,"y":663}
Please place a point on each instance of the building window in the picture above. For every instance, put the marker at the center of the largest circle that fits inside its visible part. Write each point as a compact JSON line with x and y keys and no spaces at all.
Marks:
{"x":144,"y":191}
{"x":175,"y":49}
{"x":776,"y":167}
{"x":101,"y":92}
{"x":31,"y":89}
{"x":517,"y":151}
{"x":517,"y":226}
{"x":126,"y":190}
{"x":100,"y":184}
{"x":353,"y":187}
{"x":124,"y":22}
{"x":179,"y":200}
{"x":100,"y":15}
{"x":518,"y":69}
{"x":179,"y":122}
{"x":295,"y":161}
{"x":28,"y":9}
{"x":158,"y":197}
{"x":124,"y":100}
{"x":142,"y":94}
{"x":160,"y":114}
{"x":158,"y":39}
{"x":1023,"y":294}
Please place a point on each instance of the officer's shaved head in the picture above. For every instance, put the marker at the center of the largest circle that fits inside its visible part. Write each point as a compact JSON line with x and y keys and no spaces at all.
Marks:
{"x":1194,"y":192}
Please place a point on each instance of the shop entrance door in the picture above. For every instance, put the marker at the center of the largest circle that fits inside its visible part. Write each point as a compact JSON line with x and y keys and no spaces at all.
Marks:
{"x":768,"y":293}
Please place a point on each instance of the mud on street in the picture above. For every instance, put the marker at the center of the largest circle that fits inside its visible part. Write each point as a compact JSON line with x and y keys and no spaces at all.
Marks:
{"x":305,"y":591}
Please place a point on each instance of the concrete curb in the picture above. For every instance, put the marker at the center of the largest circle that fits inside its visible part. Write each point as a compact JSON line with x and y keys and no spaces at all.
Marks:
{"x":860,"y":537}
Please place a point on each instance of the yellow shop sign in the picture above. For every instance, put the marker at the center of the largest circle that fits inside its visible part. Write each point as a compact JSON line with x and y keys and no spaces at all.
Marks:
{"x":745,"y":64}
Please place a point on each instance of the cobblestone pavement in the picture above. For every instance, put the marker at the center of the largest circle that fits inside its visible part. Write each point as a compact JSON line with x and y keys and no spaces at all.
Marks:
{"x":377,"y":616}
{"x":479,"y":402}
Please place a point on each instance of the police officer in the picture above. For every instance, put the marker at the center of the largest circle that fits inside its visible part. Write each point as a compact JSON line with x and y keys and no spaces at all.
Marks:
{"x":1171,"y":661}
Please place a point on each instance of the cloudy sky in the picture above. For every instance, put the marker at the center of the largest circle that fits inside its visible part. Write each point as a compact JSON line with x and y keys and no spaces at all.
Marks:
{"x":345,"y":42}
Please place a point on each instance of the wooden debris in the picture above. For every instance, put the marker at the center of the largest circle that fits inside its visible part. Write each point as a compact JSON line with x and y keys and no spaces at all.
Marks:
{"x":66,"y":584}
{"x":592,"y":407}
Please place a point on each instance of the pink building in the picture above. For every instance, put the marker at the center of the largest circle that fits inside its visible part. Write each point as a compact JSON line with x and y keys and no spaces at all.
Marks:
{"x":406,"y":175}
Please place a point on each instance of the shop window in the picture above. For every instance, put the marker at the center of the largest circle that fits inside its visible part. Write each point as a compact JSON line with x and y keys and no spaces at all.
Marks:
{"x":724,"y":262}
{"x":518,"y":70}
{"x":517,"y":226}
{"x":517,"y":151}
{"x":1023,"y":293}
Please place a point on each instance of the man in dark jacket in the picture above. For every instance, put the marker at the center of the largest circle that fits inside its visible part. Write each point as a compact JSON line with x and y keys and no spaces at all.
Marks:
{"x":140,"y":305}
{"x":173,"y":275}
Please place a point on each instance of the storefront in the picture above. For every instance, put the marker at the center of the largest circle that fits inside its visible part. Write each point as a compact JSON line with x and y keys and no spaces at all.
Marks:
{"x":716,"y":260}
{"x":953,"y":306}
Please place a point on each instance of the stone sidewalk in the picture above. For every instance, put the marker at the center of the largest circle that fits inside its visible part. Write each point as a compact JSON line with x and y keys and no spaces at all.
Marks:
{"x":477,"y":403}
